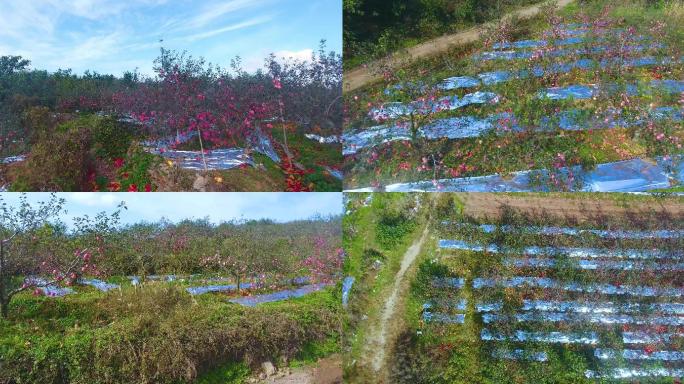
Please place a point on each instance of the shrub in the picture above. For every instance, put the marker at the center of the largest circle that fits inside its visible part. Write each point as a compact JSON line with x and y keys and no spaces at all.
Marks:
{"x":444,"y":206}
{"x":135,"y":174}
{"x":110,"y":139}
{"x":38,"y":123}
{"x":57,"y":163}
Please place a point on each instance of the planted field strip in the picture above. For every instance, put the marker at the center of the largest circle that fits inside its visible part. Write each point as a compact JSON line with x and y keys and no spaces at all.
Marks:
{"x":215,"y":159}
{"x":542,"y":337}
{"x":472,"y":126}
{"x":558,"y":33}
{"x":53,"y":290}
{"x":99,"y":284}
{"x":585,"y":64}
{"x":636,"y":175}
{"x":552,"y":284}
{"x":637,"y":354}
{"x":520,"y":354}
{"x":447,"y":103}
{"x":625,"y":373}
{"x":200,"y":290}
{"x":502,"y":76}
{"x":252,"y":301}
{"x":13,"y":159}
{"x":593,"y":264}
{"x":217,"y":288}
{"x":587,"y":307}
{"x":572,"y":252}
{"x":579,"y":91}
{"x":442,"y":310}
{"x":323,"y":139}
{"x":346,"y":289}
{"x":650,"y":338}
{"x":568,"y":231}
{"x":646,"y":314}
{"x":527,"y":54}
{"x":458,"y":318}
{"x":606,"y":319}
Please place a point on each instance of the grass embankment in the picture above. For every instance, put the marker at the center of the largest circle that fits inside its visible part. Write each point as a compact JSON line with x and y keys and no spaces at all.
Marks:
{"x":160,"y":334}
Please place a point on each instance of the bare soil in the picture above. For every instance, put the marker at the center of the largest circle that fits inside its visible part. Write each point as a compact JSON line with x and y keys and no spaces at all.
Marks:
{"x":579,"y":207}
{"x":326,"y":371}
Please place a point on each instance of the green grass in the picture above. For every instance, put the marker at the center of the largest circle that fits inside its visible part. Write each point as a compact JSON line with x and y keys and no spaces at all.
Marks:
{"x":230,"y":373}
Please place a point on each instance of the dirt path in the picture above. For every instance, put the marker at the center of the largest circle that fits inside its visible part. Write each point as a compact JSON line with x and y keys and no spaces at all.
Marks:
{"x":377,"y":343}
{"x":581,"y":209}
{"x":326,"y":371}
{"x":363,"y":76}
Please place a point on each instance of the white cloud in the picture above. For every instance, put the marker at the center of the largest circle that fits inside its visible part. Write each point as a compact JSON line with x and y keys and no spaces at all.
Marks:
{"x":95,"y":47}
{"x":215,"y":11}
{"x":233,"y":27}
{"x":90,"y":9}
{"x":255,"y":61}
{"x":22,"y":18}
{"x":303,"y":55}
{"x":94,"y":199}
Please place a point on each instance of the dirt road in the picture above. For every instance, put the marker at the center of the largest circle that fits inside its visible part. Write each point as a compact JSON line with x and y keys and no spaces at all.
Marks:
{"x":326,"y":371}
{"x":580,"y":207}
{"x":377,"y":343}
{"x":363,"y":76}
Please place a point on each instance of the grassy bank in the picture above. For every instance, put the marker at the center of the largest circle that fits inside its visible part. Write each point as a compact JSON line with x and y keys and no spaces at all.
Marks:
{"x":159,"y":333}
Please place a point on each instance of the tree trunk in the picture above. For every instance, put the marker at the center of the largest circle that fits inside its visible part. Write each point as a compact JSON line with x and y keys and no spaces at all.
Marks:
{"x":414,"y":129}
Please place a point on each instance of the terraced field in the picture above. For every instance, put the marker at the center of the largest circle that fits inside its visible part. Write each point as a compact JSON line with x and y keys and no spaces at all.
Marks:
{"x":587,"y":99}
{"x":527,"y":297}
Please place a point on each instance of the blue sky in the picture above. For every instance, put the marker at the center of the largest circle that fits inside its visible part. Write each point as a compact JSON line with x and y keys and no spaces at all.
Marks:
{"x":176,"y":206}
{"x":112,"y":36}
